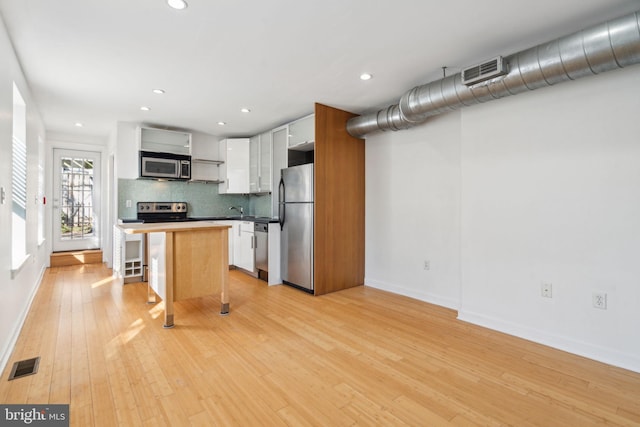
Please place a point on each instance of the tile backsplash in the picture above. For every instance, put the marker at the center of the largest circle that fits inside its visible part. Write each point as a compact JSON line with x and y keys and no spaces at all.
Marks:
{"x":203,"y":199}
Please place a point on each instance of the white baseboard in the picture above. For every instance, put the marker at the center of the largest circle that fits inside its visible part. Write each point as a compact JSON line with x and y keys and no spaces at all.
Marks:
{"x":564,"y":343}
{"x":10,"y":345}
{"x":422,"y":296}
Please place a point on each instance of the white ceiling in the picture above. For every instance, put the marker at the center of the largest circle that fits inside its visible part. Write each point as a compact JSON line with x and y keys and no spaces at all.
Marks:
{"x":97,"y":61}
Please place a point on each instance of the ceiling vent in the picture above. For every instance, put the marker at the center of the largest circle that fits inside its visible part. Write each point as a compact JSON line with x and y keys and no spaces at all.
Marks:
{"x":487,"y":70}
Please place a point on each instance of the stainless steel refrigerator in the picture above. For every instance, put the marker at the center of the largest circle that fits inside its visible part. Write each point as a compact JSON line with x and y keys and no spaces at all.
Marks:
{"x":295,"y":202}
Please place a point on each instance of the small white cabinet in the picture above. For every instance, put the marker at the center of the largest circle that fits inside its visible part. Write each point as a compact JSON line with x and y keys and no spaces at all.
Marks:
{"x":128,"y":257}
{"x":234,"y":152}
{"x":260,"y":163}
{"x":164,"y":141}
{"x":244,"y":246}
{"x":206,"y":170}
{"x":205,"y":166}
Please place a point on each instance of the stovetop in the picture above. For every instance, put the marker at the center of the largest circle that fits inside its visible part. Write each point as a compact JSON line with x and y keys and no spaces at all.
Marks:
{"x":162,"y":211}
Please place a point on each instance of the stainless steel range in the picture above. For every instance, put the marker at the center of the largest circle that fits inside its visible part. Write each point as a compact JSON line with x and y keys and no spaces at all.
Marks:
{"x":153,"y":212}
{"x":150,"y":212}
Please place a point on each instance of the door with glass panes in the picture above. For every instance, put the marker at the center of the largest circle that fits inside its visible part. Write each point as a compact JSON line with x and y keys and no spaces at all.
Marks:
{"x":76,"y":200}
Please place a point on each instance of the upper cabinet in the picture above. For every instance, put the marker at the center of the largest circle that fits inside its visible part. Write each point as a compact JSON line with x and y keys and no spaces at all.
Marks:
{"x":260,"y":163}
{"x":279,"y":162}
{"x":254,"y":159}
{"x":164,"y":141}
{"x":302,"y":133}
{"x":205,"y":163}
{"x":265,"y":163}
{"x":234,"y":152}
{"x":204,"y":170}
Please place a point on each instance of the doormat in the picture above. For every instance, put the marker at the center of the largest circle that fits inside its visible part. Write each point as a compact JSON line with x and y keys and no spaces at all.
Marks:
{"x":24,"y":368}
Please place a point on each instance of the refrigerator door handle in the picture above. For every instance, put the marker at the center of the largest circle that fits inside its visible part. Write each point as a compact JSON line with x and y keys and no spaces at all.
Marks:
{"x":281,"y":205}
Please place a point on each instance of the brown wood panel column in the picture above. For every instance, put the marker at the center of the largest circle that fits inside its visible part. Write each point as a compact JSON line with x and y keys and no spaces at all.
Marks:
{"x":339,"y":203}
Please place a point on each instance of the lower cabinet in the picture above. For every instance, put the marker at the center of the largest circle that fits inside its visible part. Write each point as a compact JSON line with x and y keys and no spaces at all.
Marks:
{"x":244,"y":246}
{"x":128,"y":258}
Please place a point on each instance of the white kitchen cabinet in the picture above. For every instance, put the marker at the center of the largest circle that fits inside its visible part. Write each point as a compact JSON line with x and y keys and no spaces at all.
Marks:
{"x":302,"y":133}
{"x":260,"y":163}
{"x":275,"y":275}
{"x":279,"y":162}
{"x":244,"y":246}
{"x":164,"y":141}
{"x":128,"y":255}
{"x":265,"y":164}
{"x":206,"y":170}
{"x":205,"y":163}
{"x":254,"y":161}
{"x":234,"y":152}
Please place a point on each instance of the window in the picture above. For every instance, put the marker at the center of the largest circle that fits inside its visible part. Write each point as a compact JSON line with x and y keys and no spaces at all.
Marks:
{"x":40,"y":196}
{"x":19,"y":182}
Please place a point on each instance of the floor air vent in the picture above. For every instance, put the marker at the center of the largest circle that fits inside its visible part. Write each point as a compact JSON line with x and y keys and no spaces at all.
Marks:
{"x":485,"y":71}
{"x":24,"y":368}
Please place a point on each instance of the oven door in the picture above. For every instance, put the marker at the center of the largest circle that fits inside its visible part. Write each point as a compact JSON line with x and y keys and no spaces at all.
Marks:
{"x":152,"y":167}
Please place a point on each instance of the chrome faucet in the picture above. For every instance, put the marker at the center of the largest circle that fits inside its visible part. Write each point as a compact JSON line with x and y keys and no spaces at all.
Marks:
{"x":239,"y":209}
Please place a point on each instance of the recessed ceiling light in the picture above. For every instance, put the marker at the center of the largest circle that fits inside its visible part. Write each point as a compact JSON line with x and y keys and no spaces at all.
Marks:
{"x":245,"y":110}
{"x":158,"y":91}
{"x":222,"y":123}
{"x":177,"y":4}
{"x":78,"y":124}
{"x":365,"y":76}
{"x":145,"y":108}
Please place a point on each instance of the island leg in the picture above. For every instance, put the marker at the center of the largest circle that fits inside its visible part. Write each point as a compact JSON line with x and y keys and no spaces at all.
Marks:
{"x":224,"y":279}
{"x":224,"y":294}
{"x":169,"y":284}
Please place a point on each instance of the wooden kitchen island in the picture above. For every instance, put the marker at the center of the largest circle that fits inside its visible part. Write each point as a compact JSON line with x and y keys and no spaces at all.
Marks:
{"x":185,"y":260}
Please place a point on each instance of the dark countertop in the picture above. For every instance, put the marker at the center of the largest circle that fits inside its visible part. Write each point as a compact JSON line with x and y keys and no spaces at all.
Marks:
{"x":261,"y":219}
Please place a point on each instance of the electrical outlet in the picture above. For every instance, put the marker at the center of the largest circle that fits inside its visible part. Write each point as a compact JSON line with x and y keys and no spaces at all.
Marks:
{"x":427,"y":264}
{"x":546,"y":290}
{"x":600,"y":300}
{"x":128,"y":203}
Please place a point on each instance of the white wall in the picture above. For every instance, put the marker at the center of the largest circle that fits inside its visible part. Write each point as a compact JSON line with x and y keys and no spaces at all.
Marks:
{"x":16,"y":293}
{"x":413,"y":211}
{"x":547,"y":190}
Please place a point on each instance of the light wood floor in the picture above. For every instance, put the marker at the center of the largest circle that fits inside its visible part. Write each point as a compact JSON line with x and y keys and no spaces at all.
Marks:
{"x":283,"y":357}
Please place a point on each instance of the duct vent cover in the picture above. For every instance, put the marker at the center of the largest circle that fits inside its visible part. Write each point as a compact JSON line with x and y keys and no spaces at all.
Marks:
{"x":24,"y":367}
{"x":485,"y":71}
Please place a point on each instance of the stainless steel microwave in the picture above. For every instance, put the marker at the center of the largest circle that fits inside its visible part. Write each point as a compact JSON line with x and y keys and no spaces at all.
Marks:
{"x":164,"y":165}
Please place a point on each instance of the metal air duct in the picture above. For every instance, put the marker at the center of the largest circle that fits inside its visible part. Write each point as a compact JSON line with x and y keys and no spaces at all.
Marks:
{"x":604,"y":47}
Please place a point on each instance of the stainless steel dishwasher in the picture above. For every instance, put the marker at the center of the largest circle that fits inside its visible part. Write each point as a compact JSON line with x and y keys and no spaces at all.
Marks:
{"x":261,"y":231}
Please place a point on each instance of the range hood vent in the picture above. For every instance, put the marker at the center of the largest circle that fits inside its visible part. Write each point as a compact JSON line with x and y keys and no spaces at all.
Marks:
{"x":495,"y":67}
{"x":604,"y":47}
